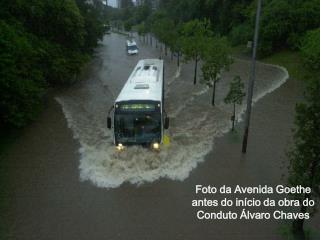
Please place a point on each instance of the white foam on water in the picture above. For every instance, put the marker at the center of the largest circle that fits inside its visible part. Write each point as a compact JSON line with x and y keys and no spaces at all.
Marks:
{"x":194,"y":126}
{"x":177,"y":75}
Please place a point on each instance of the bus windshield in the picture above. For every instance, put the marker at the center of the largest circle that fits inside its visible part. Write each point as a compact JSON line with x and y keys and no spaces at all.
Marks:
{"x":138,"y":127}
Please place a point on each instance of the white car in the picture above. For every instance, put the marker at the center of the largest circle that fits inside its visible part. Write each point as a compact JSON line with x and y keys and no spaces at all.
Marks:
{"x":132,"y":47}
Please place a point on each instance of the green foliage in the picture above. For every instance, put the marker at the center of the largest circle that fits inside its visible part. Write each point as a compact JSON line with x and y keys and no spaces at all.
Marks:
{"x":276,"y":24}
{"x":236,"y":92}
{"x":216,"y":59}
{"x":235,"y":95}
{"x":283,"y":22}
{"x":180,"y":10}
{"x":310,"y":49}
{"x":194,"y":38}
{"x":61,"y":65}
{"x":141,"y":28}
{"x":195,"y":35}
{"x":304,"y":156}
{"x":93,"y":18}
{"x":241,"y":34}
{"x":128,"y":25}
{"x":42,"y":43}
{"x":22,"y":84}
{"x":55,"y":20}
{"x":164,"y":30}
{"x":143,"y":12}
{"x":129,"y":16}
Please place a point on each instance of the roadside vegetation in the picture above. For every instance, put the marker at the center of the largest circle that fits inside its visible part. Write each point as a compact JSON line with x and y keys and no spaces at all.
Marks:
{"x":235,"y":96}
{"x":304,"y":155}
{"x":43,"y":45}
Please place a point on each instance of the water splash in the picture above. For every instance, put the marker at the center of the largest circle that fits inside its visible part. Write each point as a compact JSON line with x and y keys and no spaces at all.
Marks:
{"x":194,"y":125}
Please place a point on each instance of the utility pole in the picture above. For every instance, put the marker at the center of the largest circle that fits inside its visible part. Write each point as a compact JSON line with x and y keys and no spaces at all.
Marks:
{"x":251,"y":80}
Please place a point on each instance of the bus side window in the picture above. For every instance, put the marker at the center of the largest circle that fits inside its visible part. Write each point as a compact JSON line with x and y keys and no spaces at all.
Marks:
{"x":109,"y":122}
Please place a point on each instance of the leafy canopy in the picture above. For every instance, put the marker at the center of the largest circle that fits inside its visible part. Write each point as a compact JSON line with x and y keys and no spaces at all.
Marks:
{"x":310,"y":49}
{"x":236,"y":91}
{"x":22,"y":84}
{"x":216,"y":59}
{"x":194,"y":38}
{"x":304,"y":156}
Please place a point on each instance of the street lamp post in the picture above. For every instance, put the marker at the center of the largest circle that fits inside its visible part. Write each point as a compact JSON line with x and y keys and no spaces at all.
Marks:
{"x":251,"y":80}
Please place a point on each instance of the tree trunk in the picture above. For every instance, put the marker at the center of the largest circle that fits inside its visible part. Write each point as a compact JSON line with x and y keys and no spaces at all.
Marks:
{"x":297,"y":229}
{"x":234,"y":115}
{"x":297,"y":225}
{"x":195,"y":71}
{"x":213,"y":92}
{"x":150,"y":40}
{"x":165,"y":49}
{"x":178,"y":59}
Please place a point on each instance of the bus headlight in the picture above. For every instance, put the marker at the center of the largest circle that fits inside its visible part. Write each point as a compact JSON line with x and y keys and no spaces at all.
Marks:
{"x":120,"y":147}
{"x":156,"y":146}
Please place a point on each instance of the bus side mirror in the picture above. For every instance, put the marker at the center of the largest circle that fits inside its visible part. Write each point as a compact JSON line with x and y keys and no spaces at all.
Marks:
{"x":166,"y":123}
{"x":109,"y":122}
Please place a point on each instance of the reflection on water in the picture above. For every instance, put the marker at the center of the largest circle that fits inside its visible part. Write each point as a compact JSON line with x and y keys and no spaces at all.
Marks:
{"x":194,"y":122}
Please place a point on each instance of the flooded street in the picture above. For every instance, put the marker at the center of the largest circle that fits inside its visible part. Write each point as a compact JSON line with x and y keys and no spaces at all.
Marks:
{"x":194,"y":122}
{"x":64,"y":179}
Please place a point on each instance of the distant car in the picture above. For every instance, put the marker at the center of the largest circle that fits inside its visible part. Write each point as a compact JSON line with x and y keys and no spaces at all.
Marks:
{"x":132,"y":47}
{"x":107,"y":28}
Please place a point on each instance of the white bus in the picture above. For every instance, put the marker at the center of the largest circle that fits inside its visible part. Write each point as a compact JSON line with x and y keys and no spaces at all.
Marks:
{"x":139,"y":117}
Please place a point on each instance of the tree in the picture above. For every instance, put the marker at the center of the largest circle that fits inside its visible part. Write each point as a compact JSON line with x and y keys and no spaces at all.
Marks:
{"x":42,"y":43}
{"x":143,"y":11}
{"x":216,"y":59}
{"x":180,"y":10}
{"x":174,"y":43}
{"x":22,"y":84}
{"x":304,"y":156}
{"x":194,"y":40}
{"x":285,"y":21}
{"x":93,"y":23}
{"x":235,"y":95}
{"x":57,"y":21}
{"x":141,"y":28}
{"x":167,"y":32}
{"x":310,"y":50}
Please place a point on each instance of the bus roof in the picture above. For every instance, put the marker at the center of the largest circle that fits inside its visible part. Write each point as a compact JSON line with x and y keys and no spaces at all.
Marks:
{"x":145,"y":82}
